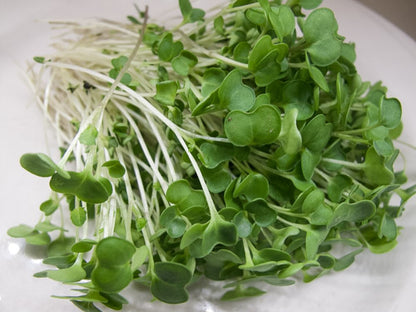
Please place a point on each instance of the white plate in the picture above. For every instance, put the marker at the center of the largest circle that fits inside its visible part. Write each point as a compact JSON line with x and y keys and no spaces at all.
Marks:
{"x":373,"y":283}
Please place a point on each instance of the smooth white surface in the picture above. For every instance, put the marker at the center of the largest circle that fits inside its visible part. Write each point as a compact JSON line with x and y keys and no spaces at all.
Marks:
{"x":384,"y":283}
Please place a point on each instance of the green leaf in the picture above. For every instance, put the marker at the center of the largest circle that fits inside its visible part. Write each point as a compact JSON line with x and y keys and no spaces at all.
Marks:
{"x":78,"y":216}
{"x":388,"y":227}
{"x":38,"y":164}
{"x":241,"y":52}
{"x":390,"y":113}
{"x":166,"y":92}
{"x":167,"y":215}
{"x":108,"y":247}
{"x":314,"y":239}
{"x":290,"y":136}
{"x":114,"y":301}
{"x":336,"y":187}
{"x":115,"y":168}
{"x":320,"y":33}
{"x":38,"y":239}
{"x":283,"y":21}
{"x":197,"y":15}
{"x":242,"y":224}
{"x":217,"y":179}
{"x":184,"y":62}
{"x":85,"y":306}
{"x":253,"y":186}
{"x":111,"y":279}
{"x":60,"y":246}
{"x":47,"y":226}
{"x":49,"y":206}
{"x":60,"y":262}
{"x":313,"y":200}
{"x":233,"y":94}
{"x":297,"y":94}
{"x":142,"y":253}
{"x":119,"y":62}
{"x":72,"y":274}
{"x":219,"y":25}
{"x":84,"y":245}
{"x":355,"y":212}
{"x":256,"y":16}
{"x":264,"y":60}
{"x":91,"y":296}
{"x":83,"y":185}
{"x":167,"y":48}
{"x":217,"y":232}
{"x":321,"y":216}
{"x":89,"y":135}
{"x":239,"y":293}
{"x":212,"y":79}
{"x":185,"y":7}
{"x":39,"y":59}
{"x":375,"y":170}
{"x":169,"y":282}
{"x":263,"y":214}
{"x":193,"y":234}
{"x":20,"y":231}
{"x":184,"y":196}
{"x":290,"y":270}
{"x":213,"y":154}
{"x":316,"y":134}
{"x":309,"y":161}
{"x":262,"y":126}
{"x":318,"y":77}
{"x":190,"y":14}
{"x":310,"y":4}
{"x":384,"y":147}
{"x":345,"y":261}
{"x":176,"y":227}
{"x":221,"y":263}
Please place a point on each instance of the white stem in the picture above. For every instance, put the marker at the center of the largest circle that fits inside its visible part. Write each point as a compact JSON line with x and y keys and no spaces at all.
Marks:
{"x":143,"y":146}
{"x":172,"y":126}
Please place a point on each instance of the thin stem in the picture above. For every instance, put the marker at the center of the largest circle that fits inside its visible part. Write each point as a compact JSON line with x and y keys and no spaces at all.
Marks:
{"x":348,"y":164}
{"x":355,"y":131}
{"x":350,"y":138}
{"x":406,"y":144}
{"x":126,"y":66}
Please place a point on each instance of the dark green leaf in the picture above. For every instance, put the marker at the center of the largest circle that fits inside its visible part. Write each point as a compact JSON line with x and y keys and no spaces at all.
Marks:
{"x":115,"y":168}
{"x":108,"y":247}
{"x":38,"y":164}
{"x":83,"y":185}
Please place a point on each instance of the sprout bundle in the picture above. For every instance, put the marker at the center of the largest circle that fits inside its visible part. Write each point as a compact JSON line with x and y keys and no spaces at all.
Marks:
{"x":233,"y":146}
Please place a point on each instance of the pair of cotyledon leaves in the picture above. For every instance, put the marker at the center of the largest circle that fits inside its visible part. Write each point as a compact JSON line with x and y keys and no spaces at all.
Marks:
{"x":83,"y":185}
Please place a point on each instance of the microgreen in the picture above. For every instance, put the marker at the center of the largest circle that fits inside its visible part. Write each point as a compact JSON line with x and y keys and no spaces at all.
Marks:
{"x":262,"y":126}
{"x":239,"y":147}
{"x":264,"y":60}
{"x":320,"y":31}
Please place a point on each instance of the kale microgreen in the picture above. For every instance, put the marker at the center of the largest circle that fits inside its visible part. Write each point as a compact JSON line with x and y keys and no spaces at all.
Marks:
{"x":240,"y":147}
